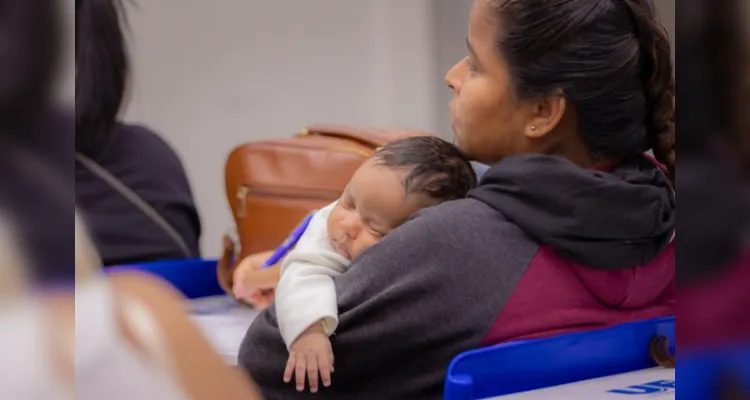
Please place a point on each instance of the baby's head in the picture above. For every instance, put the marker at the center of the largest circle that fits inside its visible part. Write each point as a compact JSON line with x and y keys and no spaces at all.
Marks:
{"x":401,"y":178}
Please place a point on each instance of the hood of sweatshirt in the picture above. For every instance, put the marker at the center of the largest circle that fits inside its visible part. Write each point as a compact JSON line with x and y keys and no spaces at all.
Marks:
{"x":611,"y":220}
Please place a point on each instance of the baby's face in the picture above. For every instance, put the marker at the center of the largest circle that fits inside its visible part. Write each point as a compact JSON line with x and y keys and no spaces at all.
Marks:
{"x":373,"y":203}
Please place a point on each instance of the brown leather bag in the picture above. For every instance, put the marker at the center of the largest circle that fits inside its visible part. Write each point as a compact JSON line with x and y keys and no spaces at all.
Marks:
{"x":271,"y":185}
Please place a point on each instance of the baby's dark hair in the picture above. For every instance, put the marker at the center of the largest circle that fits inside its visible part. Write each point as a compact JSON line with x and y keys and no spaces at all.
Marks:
{"x":438,"y":168}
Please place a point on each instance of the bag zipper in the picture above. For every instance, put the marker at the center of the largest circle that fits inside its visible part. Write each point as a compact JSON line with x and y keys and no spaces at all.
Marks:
{"x":245,"y":191}
{"x":340,"y":149}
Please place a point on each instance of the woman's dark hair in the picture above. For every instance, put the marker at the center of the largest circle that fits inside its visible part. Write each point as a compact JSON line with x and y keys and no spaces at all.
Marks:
{"x":101,"y":71}
{"x":610,"y":58}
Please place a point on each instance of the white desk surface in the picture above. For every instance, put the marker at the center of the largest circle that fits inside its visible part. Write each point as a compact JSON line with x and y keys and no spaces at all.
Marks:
{"x":637,"y":383}
{"x":223,"y":322}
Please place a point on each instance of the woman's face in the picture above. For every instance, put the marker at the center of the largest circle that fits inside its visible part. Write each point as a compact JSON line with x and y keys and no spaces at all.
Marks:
{"x":489,"y":123}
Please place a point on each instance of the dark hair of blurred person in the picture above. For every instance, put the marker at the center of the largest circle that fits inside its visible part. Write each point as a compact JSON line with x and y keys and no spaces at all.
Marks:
{"x":716,"y":144}
{"x":130,"y":184}
{"x":36,"y":142}
{"x":101,"y":71}
{"x":714,"y":261}
{"x":30,"y":47}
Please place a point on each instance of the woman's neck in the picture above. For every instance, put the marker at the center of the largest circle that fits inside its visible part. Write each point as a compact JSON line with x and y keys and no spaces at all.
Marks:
{"x":574,"y":151}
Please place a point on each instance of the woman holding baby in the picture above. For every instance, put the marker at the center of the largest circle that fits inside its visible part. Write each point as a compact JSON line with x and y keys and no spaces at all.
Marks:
{"x":570,"y":229}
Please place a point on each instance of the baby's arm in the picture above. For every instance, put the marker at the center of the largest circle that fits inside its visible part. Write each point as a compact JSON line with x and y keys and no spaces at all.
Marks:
{"x":306,"y":293}
{"x":306,"y":306}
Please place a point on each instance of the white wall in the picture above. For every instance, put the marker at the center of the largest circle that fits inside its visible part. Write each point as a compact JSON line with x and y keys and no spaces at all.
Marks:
{"x":209,"y":75}
{"x":451,"y":28}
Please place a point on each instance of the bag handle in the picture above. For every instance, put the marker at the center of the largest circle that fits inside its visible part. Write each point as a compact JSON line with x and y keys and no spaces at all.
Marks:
{"x":372,"y":138}
{"x":133,"y":198}
{"x":225,"y":265}
{"x":658,"y":349}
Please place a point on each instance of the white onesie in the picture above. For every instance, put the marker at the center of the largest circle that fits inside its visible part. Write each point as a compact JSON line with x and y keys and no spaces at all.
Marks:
{"x":306,"y":292}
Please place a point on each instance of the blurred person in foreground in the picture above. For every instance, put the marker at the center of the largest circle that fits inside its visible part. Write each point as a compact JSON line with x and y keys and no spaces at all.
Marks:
{"x":570,"y":229}
{"x":130,"y":184}
{"x":36,"y":141}
{"x":713,"y":308}
{"x":713,"y":273}
{"x":123,"y":336}
{"x":120,"y":337}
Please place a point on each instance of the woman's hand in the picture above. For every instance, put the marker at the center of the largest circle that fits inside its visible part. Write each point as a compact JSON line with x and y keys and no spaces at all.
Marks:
{"x":254,"y":285}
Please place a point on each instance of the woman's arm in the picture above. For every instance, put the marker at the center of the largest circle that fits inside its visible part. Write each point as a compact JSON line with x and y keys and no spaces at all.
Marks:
{"x":408,"y":305}
{"x":253,"y":284}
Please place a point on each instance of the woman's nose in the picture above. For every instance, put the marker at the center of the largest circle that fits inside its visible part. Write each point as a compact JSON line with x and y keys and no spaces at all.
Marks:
{"x":454,"y":76}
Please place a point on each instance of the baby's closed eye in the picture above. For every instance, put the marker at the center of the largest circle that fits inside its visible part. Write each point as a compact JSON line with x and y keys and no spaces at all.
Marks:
{"x":377,"y":231}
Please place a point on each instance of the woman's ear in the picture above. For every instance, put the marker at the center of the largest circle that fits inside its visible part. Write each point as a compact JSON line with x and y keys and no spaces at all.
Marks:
{"x":546,"y":113}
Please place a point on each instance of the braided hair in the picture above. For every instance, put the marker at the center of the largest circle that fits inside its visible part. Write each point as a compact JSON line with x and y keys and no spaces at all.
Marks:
{"x":659,"y":82}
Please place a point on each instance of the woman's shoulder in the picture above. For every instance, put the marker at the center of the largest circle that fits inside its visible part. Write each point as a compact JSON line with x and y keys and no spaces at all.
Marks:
{"x":144,"y":164}
{"x":465,"y":221}
{"x":460,"y":214}
{"x":128,"y":140}
{"x":140,"y":157}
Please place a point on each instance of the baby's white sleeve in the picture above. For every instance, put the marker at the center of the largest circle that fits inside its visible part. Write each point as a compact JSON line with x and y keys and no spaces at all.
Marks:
{"x":306,"y":292}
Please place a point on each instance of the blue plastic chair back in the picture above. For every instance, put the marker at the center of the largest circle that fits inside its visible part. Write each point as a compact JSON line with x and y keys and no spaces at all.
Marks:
{"x":534,"y":364}
{"x":194,"y":277}
{"x":701,"y":371}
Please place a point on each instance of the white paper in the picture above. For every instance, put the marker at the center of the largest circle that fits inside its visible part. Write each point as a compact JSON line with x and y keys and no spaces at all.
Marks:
{"x":652,"y":383}
{"x":223,"y":322}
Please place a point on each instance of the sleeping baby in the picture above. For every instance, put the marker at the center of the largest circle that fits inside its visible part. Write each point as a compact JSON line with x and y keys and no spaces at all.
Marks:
{"x":401,"y":178}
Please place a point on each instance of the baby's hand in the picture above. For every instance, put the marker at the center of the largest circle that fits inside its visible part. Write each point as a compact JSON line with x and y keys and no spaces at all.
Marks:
{"x":311,"y":353}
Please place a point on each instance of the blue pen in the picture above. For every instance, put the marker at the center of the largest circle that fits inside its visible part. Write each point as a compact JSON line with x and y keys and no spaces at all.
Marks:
{"x":277,"y":255}
{"x":289,"y":242}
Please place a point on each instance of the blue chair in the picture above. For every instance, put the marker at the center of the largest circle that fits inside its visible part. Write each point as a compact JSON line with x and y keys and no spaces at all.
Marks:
{"x":700,"y":371}
{"x":534,"y":364}
{"x":193,"y":277}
